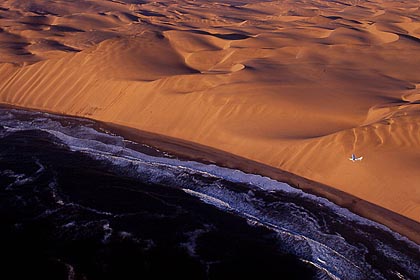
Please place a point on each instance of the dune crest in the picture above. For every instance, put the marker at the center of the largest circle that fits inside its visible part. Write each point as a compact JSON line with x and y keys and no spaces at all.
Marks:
{"x":299,"y":86}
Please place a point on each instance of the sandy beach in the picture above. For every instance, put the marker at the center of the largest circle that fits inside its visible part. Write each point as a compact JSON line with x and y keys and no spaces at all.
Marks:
{"x":285,"y":89}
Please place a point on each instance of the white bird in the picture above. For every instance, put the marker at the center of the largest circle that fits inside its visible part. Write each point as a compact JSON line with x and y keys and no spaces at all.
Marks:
{"x":354,"y":158}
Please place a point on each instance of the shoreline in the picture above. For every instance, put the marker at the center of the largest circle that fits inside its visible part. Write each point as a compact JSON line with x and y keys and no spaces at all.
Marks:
{"x":196,"y":152}
{"x":193,"y":151}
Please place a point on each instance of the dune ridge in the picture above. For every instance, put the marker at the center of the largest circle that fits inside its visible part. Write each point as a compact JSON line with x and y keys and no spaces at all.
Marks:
{"x":298,"y":86}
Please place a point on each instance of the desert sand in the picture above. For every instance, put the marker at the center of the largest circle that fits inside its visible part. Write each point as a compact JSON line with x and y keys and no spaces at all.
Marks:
{"x":295,"y":85}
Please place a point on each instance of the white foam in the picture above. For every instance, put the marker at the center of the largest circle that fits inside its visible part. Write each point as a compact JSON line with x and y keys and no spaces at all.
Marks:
{"x":209,"y":200}
{"x":332,"y":276}
{"x":70,"y":272}
{"x":107,"y":232}
{"x":22,"y":179}
{"x":69,"y":224}
{"x":191,"y":244}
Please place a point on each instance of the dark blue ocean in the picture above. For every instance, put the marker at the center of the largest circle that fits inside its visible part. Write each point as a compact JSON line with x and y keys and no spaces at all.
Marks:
{"x":78,"y":202}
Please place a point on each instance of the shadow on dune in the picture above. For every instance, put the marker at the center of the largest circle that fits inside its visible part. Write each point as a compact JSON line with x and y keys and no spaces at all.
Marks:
{"x":63,"y":28}
{"x":231,"y":36}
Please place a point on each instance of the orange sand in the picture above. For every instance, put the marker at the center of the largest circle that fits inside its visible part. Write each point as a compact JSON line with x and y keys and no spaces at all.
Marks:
{"x":298,"y":86}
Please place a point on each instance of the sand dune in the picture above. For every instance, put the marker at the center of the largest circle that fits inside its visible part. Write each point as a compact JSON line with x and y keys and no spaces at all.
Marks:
{"x":299,"y":85}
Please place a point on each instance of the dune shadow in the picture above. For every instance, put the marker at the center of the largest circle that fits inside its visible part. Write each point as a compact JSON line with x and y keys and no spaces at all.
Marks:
{"x":131,"y":17}
{"x":229,"y":36}
{"x":63,"y":28}
{"x":150,"y":13}
{"x":60,"y":46}
{"x":17,"y":48}
{"x":130,"y":1}
{"x":409,"y":37}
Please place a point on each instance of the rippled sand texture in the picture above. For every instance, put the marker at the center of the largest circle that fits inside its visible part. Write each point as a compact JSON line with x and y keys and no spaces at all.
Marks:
{"x":298,"y":85}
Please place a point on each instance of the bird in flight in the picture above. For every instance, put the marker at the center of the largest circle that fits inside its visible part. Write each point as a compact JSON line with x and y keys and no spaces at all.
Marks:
{"x":354,"y":158}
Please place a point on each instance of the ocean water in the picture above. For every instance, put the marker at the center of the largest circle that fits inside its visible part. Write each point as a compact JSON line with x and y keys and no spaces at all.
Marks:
{"x":78,"y":202}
